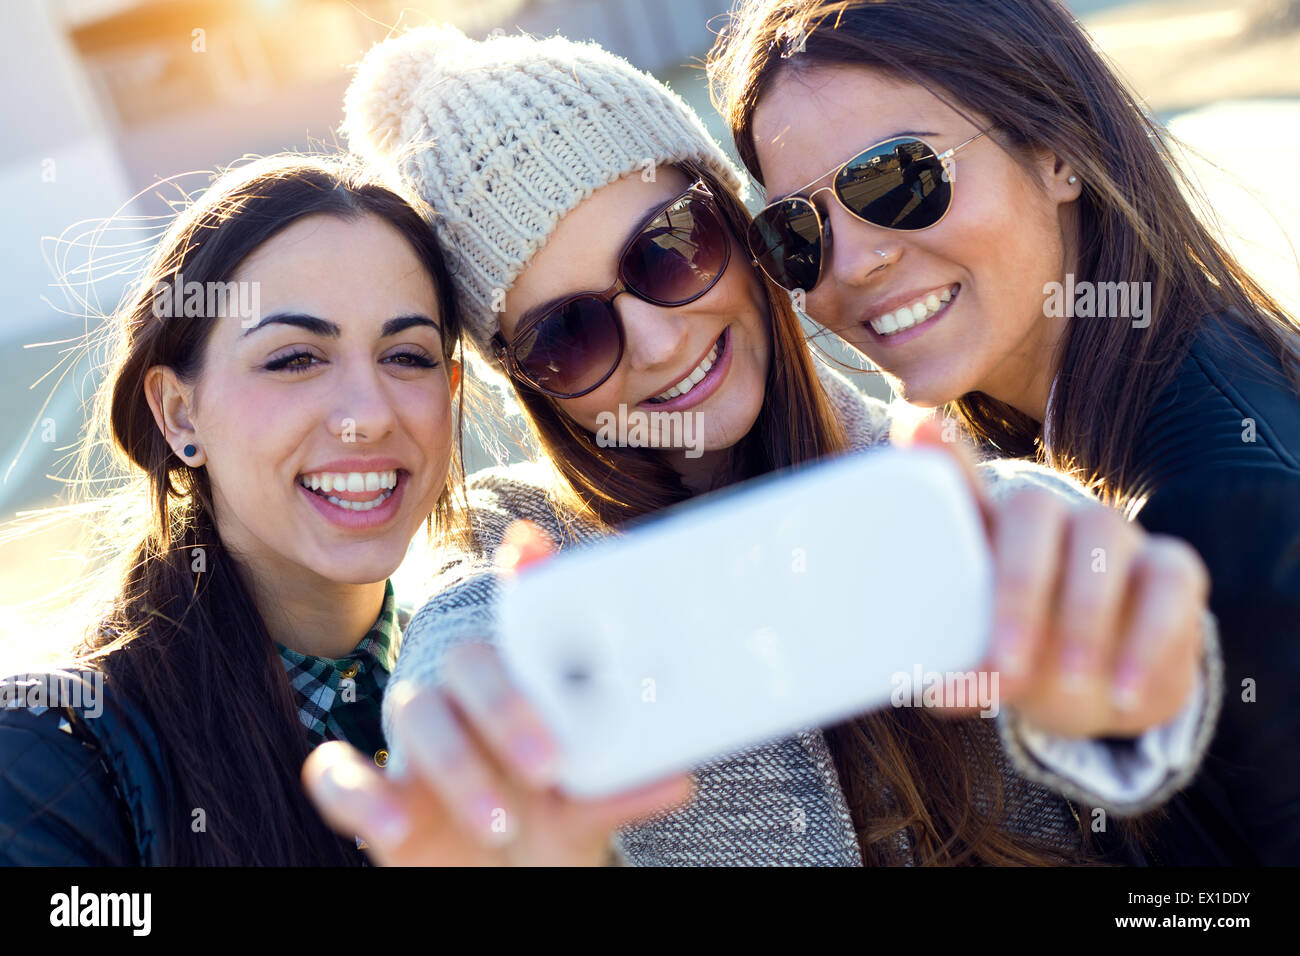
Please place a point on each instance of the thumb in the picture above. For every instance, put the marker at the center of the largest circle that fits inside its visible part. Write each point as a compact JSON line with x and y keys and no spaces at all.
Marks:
{"x":523,"y":544}
{"x":929,"y":432}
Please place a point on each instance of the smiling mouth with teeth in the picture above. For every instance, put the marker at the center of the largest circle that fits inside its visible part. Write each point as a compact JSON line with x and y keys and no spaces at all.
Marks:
{"x":921,"y":311}
{"x":381,"y":483}
{"x":696,"y":376}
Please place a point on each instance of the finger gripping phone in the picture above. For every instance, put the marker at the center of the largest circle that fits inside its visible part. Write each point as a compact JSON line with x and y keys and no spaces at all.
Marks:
{"x":790,"y":602}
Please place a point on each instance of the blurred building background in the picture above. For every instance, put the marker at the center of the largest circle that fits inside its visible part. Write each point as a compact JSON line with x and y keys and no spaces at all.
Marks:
{"x":106,"y":98}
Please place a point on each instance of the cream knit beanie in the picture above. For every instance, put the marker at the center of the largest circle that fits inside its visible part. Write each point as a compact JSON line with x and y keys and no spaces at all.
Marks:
{"x":503,"y":137}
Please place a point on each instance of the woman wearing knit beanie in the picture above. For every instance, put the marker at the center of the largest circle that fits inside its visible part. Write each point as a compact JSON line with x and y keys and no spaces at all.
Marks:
{"x":593,"y":229}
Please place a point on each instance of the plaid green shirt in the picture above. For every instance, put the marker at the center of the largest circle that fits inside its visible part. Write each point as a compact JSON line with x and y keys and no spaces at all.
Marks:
{"x":340,"y":699}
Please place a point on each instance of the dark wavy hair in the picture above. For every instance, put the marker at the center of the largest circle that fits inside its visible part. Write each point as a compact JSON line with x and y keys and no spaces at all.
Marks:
{"x":190,"y":650}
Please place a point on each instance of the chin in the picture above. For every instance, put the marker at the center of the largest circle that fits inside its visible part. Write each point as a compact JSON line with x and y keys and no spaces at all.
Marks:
{"x":926,"y":391}
{"x":347,"y":566}
{"x":723,"y":431}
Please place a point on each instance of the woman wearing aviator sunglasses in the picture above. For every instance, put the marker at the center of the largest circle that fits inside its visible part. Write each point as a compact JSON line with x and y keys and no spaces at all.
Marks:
{"x":537,"y":156}
{"x":1169,"y":380}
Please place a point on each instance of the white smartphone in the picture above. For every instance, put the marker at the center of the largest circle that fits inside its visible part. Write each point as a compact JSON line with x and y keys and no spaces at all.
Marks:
{"x":790,"y":602}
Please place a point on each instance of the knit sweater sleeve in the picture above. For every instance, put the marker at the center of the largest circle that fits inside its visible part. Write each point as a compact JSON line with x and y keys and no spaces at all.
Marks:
{"x":1126,"y":776}
{"x":462,"y":605}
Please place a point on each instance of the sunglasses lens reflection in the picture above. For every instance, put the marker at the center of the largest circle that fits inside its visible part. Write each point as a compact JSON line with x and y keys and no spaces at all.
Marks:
{"x":898,"y":185}
{"x":786,"y":240}
{"x":572,"y":348}
{"x":678,"y":255}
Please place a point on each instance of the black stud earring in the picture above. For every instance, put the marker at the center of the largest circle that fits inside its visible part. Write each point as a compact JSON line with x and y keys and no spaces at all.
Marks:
{"x":189,"y":451}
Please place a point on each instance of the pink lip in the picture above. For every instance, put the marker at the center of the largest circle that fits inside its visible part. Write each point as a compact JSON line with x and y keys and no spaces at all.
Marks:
{"x":359,"y":520}
{"x":355,"y":464}
{"x":711,"y":382}
{"x":900,"y":338}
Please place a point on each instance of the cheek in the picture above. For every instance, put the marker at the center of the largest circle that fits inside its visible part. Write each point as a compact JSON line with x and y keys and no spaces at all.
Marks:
{"x":250,"y":453}
{"x":586,"y":411}
{"x":429,"y":418}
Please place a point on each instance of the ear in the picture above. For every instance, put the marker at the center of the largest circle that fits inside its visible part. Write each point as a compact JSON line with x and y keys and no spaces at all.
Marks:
{"x":1055,"y":174}
{"x":172,"y":404}
{"x":454,"y":374}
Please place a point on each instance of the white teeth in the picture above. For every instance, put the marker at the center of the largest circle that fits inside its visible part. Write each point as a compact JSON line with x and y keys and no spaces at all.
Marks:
{"x":690,"y":381}
{"x":352,"y":481}
{"x":915,"y":314}
{"x":360,"y":505}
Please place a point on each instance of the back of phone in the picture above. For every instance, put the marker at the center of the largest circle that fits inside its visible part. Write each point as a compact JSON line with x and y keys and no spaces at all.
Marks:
{"x":790,"y":603}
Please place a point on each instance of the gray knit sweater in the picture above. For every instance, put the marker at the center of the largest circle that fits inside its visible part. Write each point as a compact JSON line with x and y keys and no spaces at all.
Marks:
{"x":782,"y":803}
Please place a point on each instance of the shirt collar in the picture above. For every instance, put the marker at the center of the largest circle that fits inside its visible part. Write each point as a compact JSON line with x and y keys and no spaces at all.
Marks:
{"x":323,"y":687}
{"x":380,"y":645}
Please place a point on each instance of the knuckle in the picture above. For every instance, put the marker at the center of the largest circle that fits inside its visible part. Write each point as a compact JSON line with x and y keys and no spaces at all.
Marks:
{"x":1036,"y":505}
{"x":1176,"y":564}
{"x":1017,"y":579}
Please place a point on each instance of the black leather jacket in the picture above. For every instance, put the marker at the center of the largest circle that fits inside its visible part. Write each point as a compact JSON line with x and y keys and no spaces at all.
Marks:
{"x":1220,"y":468}
{"x":78,"y":790}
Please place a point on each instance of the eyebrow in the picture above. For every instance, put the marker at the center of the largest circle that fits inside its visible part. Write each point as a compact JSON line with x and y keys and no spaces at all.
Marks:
{"x":905,"y":132}
{"x":330,"y":330}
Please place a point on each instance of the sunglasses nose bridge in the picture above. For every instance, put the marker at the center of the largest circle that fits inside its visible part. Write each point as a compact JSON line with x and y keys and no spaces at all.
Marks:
{"x":652,"y":334}
{"x":824,"y":189}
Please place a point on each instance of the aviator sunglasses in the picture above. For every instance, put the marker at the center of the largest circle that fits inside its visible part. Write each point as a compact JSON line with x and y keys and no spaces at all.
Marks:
{"x":572,"y":346}
{"x":902,"y":183}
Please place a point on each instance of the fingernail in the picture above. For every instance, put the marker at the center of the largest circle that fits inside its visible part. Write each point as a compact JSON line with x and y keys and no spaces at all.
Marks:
{"x":1006,"y":649}
{"x":1075,"y":667}
{"x":485,"y":805}
{"x":388,"y":824}
{"x":1123,"y":692}
{"x":488,"y":812}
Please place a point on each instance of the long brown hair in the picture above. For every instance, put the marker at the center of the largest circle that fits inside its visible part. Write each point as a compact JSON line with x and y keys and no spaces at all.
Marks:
{"x":921,"y":788}
{"x":1031,"y":70}
{"x":188,"y":648}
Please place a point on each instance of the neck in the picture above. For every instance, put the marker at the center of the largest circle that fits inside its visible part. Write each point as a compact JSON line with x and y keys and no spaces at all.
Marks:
{"x":699,"y":474}
{"x":1024,"y":379}
{"x":313,"y":615}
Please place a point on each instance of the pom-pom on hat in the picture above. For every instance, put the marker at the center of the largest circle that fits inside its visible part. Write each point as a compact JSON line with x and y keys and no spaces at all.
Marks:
{"x":505,"y":136}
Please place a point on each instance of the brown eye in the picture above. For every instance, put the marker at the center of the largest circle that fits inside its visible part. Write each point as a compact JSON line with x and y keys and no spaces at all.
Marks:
{"x":412,"y":360}
{"x":295,"y":362}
